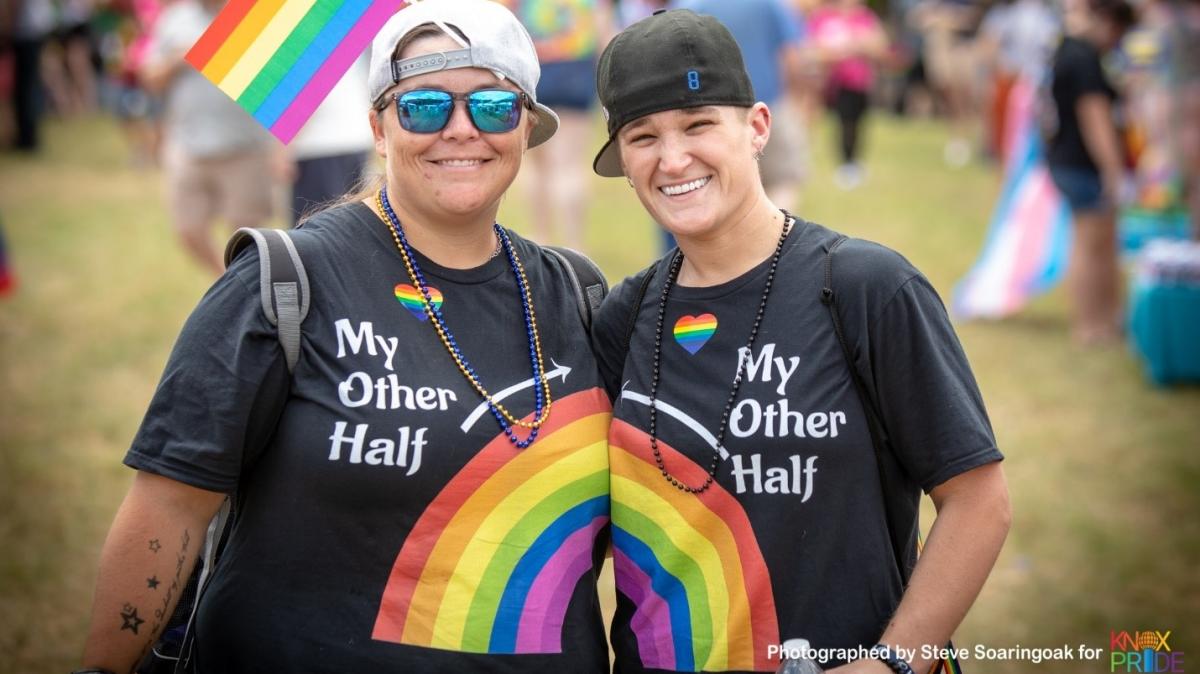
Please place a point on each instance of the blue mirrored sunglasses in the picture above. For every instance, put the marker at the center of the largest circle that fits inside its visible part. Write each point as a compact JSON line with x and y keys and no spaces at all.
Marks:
{"x":490,"y":110}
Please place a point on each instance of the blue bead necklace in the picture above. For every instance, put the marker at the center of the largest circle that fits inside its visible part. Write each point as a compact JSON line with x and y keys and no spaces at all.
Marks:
{"x":542,"y":400}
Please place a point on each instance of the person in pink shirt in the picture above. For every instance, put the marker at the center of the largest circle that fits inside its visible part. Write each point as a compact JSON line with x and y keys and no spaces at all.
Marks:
{"x":848,"y":39}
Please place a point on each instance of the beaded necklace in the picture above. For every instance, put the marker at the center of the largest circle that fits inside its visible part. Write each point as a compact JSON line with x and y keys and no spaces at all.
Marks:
{"x":743,"y":356}
{"x":541,"y":385}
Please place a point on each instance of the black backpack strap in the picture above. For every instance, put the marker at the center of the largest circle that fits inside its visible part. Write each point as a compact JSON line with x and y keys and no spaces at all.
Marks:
{"x":874,"y":425}
{"x":874,"y":418}
{"x":587,"y":281}
{"x":282,"y":282}
{"x":631,"y":322}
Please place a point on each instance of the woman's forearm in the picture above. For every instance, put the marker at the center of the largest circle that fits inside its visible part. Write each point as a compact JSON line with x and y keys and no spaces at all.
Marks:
{"x":966,"y":537}
{"x":973,"y":518}
{"x":146,"y":562}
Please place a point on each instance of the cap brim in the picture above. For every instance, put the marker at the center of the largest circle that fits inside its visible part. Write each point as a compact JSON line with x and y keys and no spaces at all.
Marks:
{"x":547,"y":124}
{"x":608,"y":161}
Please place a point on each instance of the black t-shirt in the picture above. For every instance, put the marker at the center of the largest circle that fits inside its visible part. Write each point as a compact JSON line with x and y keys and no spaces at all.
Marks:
{"x":1077,"y":73}
{"x":791,"y":539}
{"x":383,"y":520}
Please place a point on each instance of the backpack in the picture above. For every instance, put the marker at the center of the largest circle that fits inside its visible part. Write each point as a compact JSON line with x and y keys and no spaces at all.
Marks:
{"x":284,"y":290}
{"x":285,"y":297}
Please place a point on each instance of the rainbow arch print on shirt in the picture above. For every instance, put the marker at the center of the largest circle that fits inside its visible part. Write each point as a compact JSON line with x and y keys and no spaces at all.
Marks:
{"x":492,"y":563}
{"x":690,"y":563}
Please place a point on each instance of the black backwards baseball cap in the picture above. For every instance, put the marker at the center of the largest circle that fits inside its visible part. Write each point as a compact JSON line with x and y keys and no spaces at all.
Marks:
{"x":671,"y":60}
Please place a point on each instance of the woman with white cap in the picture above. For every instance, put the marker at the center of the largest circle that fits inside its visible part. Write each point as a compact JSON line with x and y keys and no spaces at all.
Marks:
{"x":427,"y":490}
{"x":782,"y":397}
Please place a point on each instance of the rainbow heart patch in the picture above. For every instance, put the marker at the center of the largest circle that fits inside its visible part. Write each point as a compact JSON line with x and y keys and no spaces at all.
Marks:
{"x":412,"y":300}
{"x":693,"y":332}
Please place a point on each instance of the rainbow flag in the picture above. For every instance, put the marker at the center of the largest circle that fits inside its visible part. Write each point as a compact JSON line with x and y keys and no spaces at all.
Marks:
{"x":1025,"y":253}
{"x":280,"y":58}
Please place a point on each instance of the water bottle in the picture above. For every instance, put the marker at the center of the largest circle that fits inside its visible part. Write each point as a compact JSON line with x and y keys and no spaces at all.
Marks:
{"x":794,"y":661}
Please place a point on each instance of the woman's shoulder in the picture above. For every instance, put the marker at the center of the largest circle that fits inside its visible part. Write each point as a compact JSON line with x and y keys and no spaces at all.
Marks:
{"x":626,"y":295}
{"x":335,"y":217}
{"x":869,"y":262}
{"x":345,"y":226}
{"x":328,"y":240}
{"x":556,"y":259}
{"x":860,"y":267}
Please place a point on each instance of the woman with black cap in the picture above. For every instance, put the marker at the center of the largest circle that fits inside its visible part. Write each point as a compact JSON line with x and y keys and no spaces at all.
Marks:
{"x":782,"y":396}
{"x":427,"y":490}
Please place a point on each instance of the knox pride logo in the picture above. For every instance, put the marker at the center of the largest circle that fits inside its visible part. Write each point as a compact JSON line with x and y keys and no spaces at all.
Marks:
{"x":1143,"y":651}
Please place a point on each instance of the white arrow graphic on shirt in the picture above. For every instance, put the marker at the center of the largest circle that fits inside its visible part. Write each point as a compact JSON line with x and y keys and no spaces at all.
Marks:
{"x":558,"y":371}
{"x":680,"y":415}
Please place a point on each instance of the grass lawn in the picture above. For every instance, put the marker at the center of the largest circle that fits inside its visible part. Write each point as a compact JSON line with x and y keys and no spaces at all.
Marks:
{"x":1104,"y":469}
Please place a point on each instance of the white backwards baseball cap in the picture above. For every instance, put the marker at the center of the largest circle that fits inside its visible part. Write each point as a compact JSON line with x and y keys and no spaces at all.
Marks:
{"x":495,"y":41}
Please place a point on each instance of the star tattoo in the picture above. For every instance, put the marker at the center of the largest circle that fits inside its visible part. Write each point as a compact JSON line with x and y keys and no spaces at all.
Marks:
{"x":155,"y":546}
{"x":130,"y":619}
{"x":152,"y":582}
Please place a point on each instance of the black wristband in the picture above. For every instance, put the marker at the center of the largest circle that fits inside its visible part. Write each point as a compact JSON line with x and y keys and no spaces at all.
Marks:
{"x":887,"y":656}
{"x":93,"y":670}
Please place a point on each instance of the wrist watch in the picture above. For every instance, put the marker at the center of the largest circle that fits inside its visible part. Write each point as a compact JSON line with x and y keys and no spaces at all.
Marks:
{"x":887,"y":656}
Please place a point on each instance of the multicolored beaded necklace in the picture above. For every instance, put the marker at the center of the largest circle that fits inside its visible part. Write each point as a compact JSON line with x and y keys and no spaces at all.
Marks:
{"x":541,"y":384}
{"x":743,"y":356}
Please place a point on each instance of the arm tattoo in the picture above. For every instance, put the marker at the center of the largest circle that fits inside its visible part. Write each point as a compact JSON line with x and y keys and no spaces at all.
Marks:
{"x":129,"y":618}
{"x":161,"y":616}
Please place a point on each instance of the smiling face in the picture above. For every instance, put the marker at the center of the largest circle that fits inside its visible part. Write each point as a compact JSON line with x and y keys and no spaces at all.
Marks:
{"x":458,"y":172}
{"x":694,"y":168}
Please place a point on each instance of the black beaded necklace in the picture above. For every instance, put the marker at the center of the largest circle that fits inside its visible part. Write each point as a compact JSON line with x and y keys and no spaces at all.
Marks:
{"x":672,"y":277}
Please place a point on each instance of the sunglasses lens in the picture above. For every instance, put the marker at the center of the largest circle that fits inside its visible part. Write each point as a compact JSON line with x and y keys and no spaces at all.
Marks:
{"x":495,"y":111}
{"x":424,"y":110}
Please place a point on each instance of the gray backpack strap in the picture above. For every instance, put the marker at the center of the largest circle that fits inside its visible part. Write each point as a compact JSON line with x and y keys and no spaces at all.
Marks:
{"x":284,"y":293}
{"x":212,"y":540}
{"x":587,"y":280}
{"x":282,"y":282}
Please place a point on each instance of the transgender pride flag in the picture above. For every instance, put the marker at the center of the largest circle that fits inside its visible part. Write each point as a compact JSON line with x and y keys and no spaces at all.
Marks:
{"x":1025,"y":253}
{"x":280,"y":58}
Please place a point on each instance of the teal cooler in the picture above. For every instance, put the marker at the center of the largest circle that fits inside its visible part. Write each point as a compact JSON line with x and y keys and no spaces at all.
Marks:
{"x":1137,"y":227}
{"x":1164,"y":318}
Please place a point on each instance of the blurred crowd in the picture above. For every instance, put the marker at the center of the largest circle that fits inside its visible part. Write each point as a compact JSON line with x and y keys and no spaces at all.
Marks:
{"x":954,"y":60}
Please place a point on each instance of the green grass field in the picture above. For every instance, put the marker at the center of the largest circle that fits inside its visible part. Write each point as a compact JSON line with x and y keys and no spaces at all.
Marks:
{"x":1104,"y":469}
